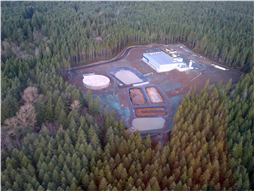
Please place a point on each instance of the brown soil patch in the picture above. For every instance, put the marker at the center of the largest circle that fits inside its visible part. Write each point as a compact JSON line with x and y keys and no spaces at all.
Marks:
{"x":137,"y":97}
{"x":154,"y":95}
{"x":150,"y":112}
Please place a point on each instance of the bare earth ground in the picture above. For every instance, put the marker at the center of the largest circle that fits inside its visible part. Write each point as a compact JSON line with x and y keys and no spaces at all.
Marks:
{"x":175,"y":84}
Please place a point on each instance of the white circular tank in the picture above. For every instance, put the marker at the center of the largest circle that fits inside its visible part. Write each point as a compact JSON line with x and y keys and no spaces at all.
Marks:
{"x":95,"y":82}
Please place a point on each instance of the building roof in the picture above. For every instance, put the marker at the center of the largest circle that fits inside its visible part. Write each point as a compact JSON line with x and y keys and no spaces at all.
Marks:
{"x":161,"y":58}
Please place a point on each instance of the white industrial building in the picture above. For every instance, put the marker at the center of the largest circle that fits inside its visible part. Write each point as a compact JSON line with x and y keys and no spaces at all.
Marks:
{"x":162,"y":62}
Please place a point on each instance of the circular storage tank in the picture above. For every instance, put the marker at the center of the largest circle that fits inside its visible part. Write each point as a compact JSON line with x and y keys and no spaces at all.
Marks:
{"x":95,"y":82}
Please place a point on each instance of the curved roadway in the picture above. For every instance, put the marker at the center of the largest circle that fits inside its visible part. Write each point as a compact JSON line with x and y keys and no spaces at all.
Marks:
{"x":126,"y":52}
{"x":74,"y":70}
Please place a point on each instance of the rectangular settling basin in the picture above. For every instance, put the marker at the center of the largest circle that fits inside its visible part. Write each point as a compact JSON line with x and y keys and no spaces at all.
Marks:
{"x":150,"y":112}
{"x":154,"y":95}
{"x":137,"y":97}
{"x":148,"y":123}
{"x":128,"y":77}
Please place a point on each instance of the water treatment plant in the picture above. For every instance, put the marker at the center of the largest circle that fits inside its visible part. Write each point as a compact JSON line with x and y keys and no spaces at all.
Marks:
{"x":163,"y":62}
{"x":145,"y":84}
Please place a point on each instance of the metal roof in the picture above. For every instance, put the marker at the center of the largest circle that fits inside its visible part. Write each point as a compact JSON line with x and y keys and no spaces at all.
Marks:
{"x":161,"y":58}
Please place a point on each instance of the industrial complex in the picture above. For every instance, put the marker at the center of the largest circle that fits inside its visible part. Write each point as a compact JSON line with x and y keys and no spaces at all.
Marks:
{"x":149,"y":106}
{"x":146,"y":86}
{"x":162,"y":62}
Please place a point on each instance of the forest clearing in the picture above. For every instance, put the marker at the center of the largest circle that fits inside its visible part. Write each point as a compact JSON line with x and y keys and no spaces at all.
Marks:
{"x":173,"y":83}
{"x":76,"y":113}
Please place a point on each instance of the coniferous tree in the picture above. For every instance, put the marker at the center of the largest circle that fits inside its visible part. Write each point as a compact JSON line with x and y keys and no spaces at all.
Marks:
{"x":62,"y":118}
{"x":49,"y":111}
{"x":206,"y":126}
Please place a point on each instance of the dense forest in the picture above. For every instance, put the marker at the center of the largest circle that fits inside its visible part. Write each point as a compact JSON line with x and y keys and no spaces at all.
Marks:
{"x":52,"y":138}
